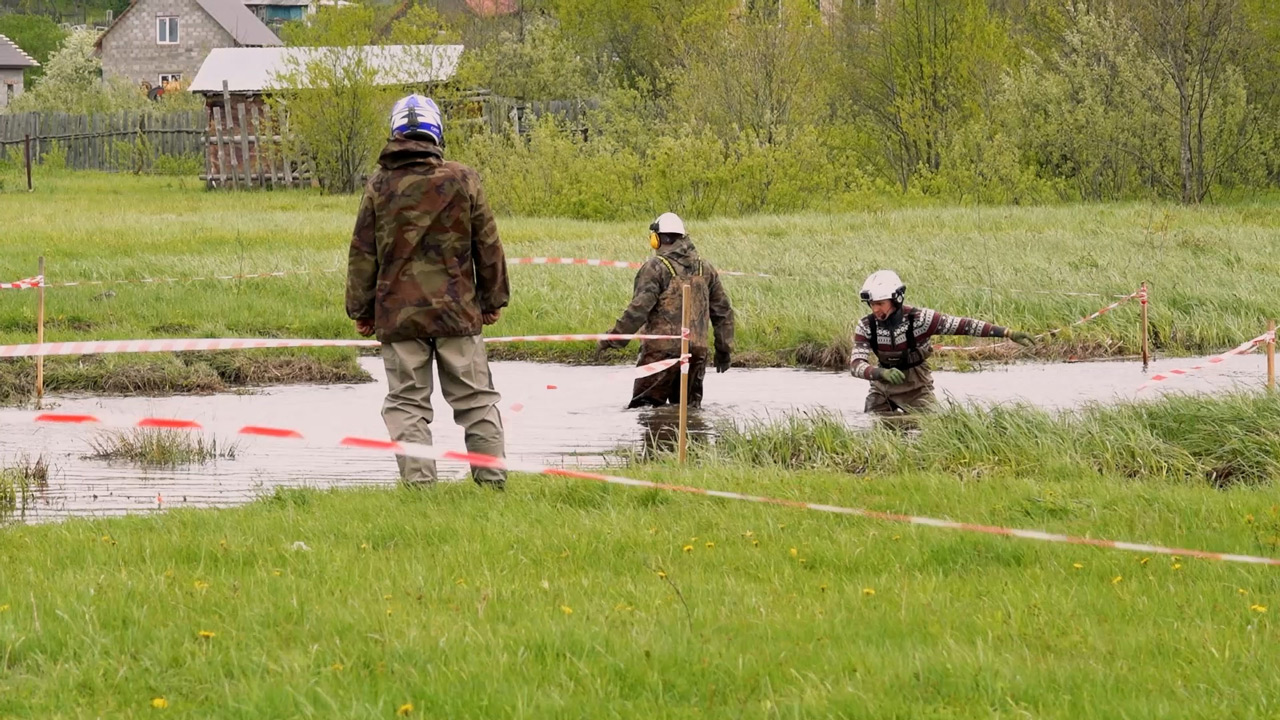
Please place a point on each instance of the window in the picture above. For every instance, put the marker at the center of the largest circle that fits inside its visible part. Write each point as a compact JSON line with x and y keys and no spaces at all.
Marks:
{"x":171,"y":77}
{"x":9,"y":91}
{"x":167,"y":30}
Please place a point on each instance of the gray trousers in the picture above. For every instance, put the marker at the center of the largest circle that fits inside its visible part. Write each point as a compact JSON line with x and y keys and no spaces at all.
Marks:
{"x":467,"y":386}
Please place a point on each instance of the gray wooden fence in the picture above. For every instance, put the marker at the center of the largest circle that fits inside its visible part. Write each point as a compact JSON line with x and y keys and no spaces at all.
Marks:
{"x":124,"y":141}
{"x":245,"y":148}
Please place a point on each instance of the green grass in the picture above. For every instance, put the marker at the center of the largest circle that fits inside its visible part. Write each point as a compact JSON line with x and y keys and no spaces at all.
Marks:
{"x":19,"y":481}
{"x":547,"y":601}
{"x":1211,"y":269}
{"x":1220,"y":442}
{"x":160,"y":447}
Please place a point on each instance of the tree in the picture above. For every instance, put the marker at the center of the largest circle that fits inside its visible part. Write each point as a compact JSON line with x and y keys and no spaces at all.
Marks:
{"x":338,"y":96}
{"x":1197,"y":44}
{"x":37,"y":35}
{"x":761,"y":75}
{"x":539,"y":63}
{"x":921,"y":69}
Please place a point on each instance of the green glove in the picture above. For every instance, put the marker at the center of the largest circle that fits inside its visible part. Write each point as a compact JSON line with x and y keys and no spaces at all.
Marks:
{"x":893,"y":376}
{"x":1022,"y":338}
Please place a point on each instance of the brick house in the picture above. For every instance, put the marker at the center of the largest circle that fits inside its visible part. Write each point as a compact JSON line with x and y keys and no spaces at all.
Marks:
{"x":13,"y":62}
{"x":159,"y":41}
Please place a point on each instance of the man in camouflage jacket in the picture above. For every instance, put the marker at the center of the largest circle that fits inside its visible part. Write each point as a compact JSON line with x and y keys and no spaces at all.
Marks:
{"x":656,"y":306}
{"x":426,"y":272}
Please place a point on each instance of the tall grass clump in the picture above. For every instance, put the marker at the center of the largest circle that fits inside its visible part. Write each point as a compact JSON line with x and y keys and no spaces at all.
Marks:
{"x":19,"y":481}
{"x":160,"y":447}
{"x":1224,"y":441}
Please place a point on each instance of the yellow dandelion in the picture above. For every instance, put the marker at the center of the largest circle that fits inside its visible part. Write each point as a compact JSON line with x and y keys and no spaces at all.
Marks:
{"x":662,"y":575}
{"x":803,"y":561}
{"x":653,"y":531}
{"x":388,"y":612}
{"x":4,"y":608}
{"x":1242,"y":591}
{"x":200,"y":585}
{"x":168,"y":573}
{"x":277,"y":573}
{"x":364,"y":546}
{"x":1177,"y":566}
{"x":748,"y":534}
{"x":710,"y":544}
{"x":822,"y":587}
{"x":336,"y":667}
{"x":1248,"y":519}
{"x":755,"y":543}
{"x":461,"y":582}
{"x":794,"y":552}
{"x":1144,"y":561}
{"x":159,"y":703}
{"x":694,"y":539}
{"x":1116,"y":579}
{"x":1258,"y":608}
{"x":206,"y":634}
{"x":386,"y":597}
{"x":107,"y":539}
{"x":223,"y":543}
{"x":896,"y":537}
{"x":868,"y":592}
{"x":1077,"y":566}
{"x":566,"y":609}
{"x":688,"y":548}
{"x":404,"y":710}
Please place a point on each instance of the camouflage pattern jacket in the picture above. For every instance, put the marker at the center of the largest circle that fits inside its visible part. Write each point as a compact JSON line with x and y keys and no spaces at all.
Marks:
{"x":425,"y":259}
{"x":656,"y":301}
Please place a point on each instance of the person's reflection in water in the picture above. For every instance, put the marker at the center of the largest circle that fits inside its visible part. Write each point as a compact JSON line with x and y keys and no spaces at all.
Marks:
{"x":661,"y":430}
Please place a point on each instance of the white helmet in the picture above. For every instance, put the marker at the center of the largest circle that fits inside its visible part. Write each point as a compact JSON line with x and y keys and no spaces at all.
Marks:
{"x":668,"y":223}
{"x":883,"y":285}
{"x":415,"y":115}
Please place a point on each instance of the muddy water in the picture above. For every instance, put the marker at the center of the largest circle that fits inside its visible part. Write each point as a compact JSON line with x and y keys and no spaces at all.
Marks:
{"x":553,"y":414}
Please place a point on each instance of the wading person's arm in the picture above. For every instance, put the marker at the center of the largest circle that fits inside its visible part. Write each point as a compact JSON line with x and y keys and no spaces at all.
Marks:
{"x":362,"y":268}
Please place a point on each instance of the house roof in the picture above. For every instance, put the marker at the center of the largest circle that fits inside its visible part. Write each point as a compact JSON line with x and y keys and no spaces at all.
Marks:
{"x":493,"y":8}
{"x":240,"y":22}
{"x":232,"y":15}
{"x":253,"y":70}
{"x":12,"y":56}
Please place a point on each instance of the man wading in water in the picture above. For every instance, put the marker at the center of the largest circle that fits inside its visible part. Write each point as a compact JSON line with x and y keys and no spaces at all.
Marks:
{"x":656,"y":305}
{"x":899,"y":336}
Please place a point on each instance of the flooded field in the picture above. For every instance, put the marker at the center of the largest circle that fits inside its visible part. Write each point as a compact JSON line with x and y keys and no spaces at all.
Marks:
{"x":554,"y":414}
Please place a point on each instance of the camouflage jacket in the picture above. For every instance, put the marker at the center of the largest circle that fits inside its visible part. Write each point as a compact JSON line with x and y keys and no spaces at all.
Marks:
{"x":425,"y":259}
{"x":656,"y":301}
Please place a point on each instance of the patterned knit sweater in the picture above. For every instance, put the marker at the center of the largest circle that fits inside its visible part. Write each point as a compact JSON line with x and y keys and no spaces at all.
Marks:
{"x":892,"y":344}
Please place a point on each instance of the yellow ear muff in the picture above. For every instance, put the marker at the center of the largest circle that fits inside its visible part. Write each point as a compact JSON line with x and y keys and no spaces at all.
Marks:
{"x":653,"y":240}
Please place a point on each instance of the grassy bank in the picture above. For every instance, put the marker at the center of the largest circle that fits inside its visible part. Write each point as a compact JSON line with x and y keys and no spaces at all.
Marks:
{"x":1210,"y":268}
{"x":1219,"y":442}
{"x":563,"y":598}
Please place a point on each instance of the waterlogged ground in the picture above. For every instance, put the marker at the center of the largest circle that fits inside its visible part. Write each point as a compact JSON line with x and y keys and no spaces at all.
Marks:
{"x":554,"y":414}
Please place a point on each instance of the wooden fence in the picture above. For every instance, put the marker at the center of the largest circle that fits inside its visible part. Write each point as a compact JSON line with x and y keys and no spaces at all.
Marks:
{"x":245,"y":148}
{"x":128,"y":140}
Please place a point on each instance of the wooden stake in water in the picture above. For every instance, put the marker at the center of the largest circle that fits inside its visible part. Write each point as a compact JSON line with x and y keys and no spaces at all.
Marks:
{"x":1271,"y":356}
{"x":40,"y":333}
{"x":684,"y":374}
{"x":1146,"y":335}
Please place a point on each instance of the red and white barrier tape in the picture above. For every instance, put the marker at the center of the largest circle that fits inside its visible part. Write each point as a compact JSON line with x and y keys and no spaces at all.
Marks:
{"x":1241,"y":349}
{"x":111,"y":347}
{"x":644,"y":371}
{"x":1140,"y":294}
{"x":574,"y":261}
{"x":478,"y":460}
{"x":24,"y":284}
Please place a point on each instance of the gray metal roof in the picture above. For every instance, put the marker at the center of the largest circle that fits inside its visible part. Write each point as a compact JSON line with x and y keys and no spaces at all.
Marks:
{"x":12,"y":56}
{"x":253,"y":70}
{"x":278,"y":3}
{"x":238,"y":20}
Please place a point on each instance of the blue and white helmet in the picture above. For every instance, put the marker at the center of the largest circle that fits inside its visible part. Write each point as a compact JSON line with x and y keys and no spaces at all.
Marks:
{"x":416,"y":114}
